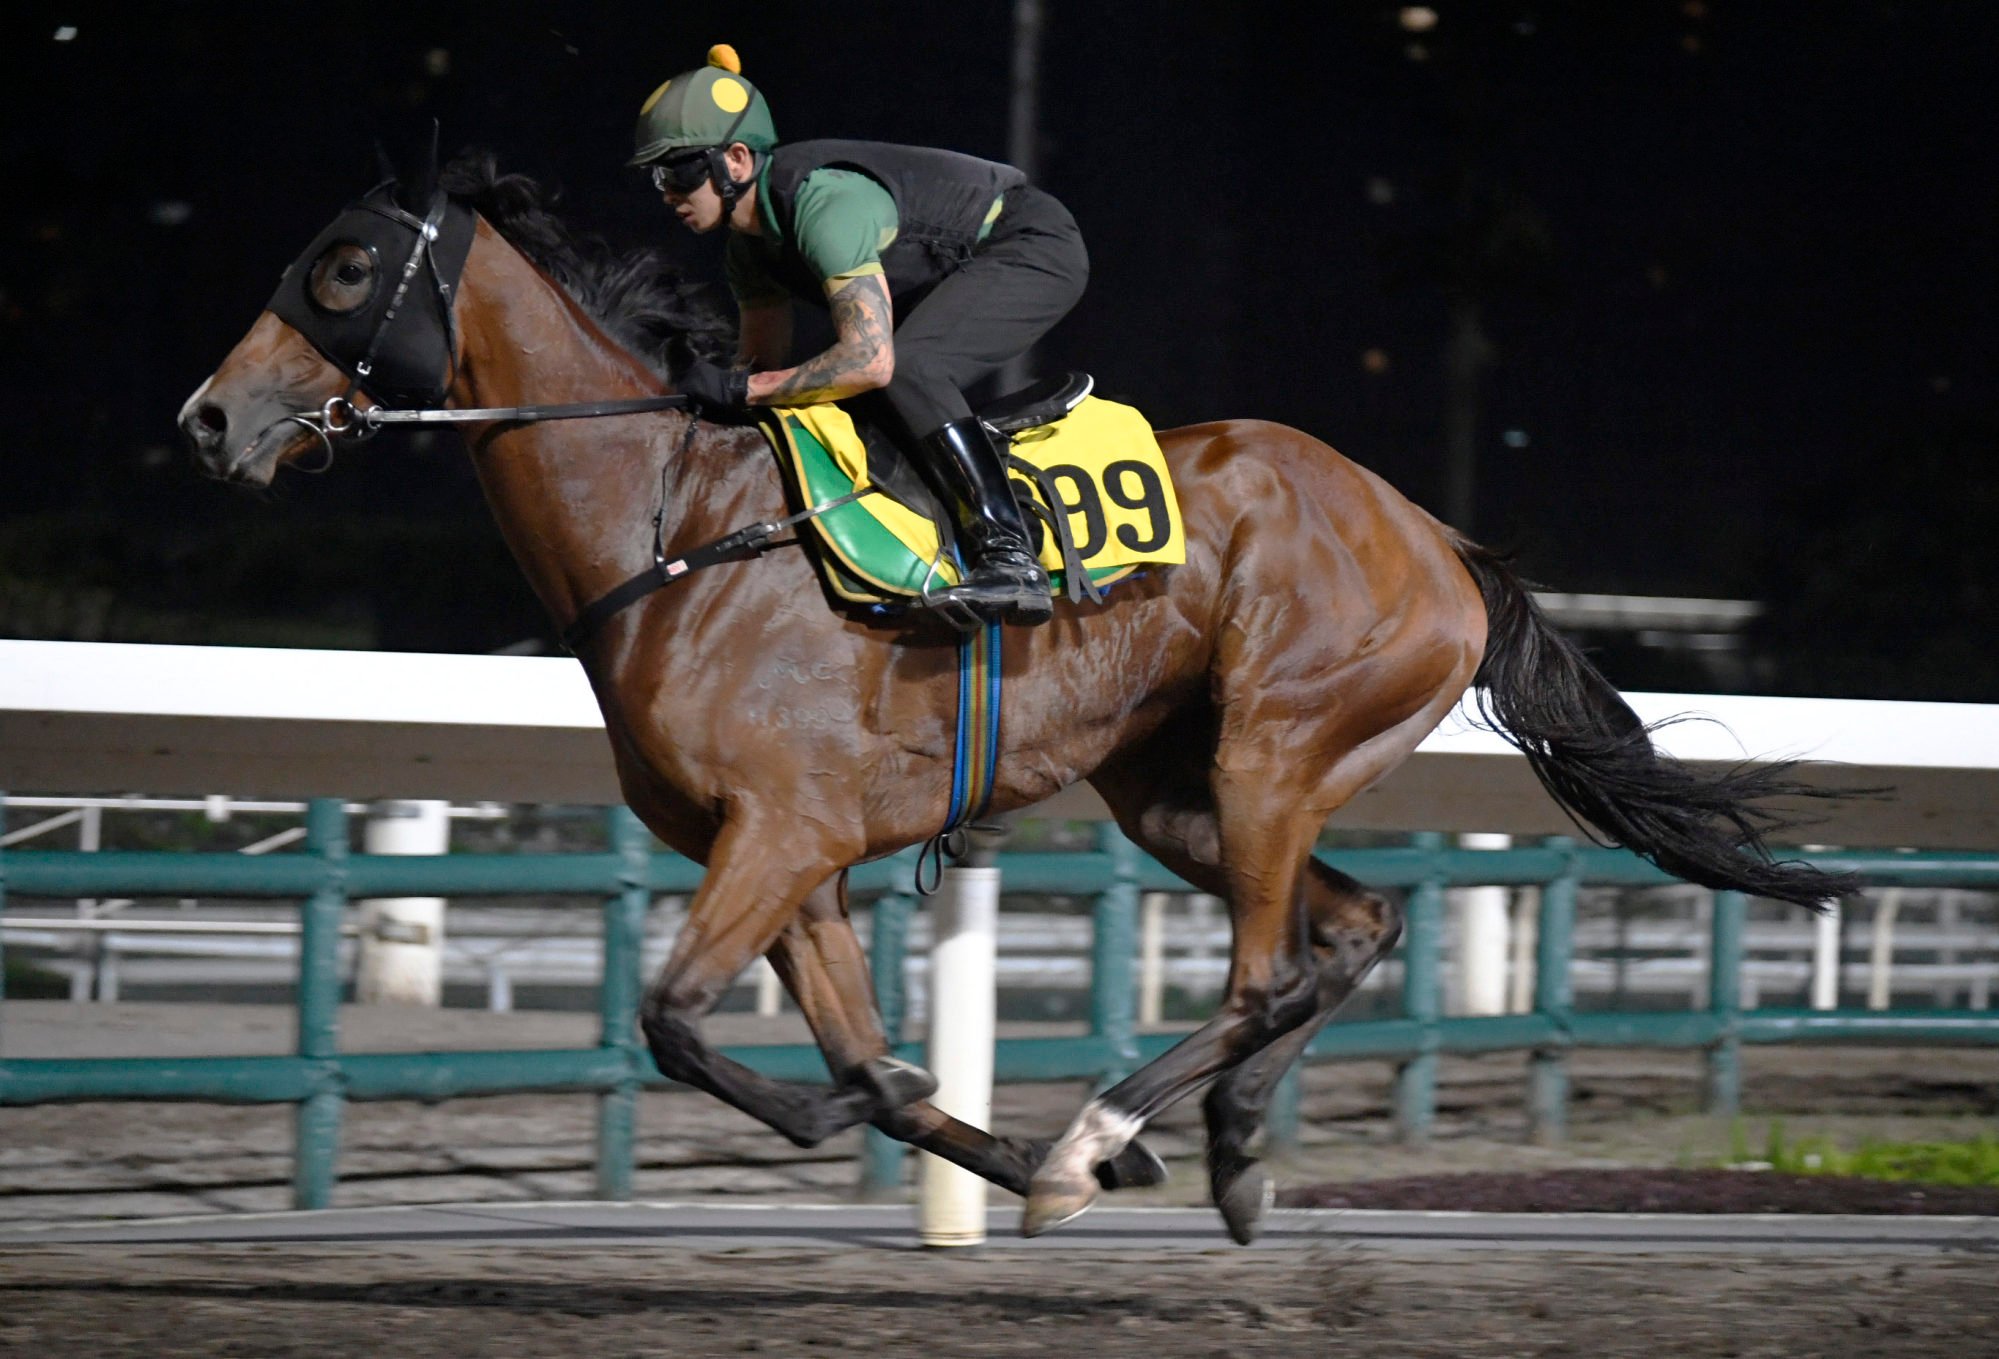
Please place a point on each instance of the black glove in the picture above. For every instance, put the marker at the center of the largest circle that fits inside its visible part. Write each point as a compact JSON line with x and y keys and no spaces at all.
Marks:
{"x":716,"y":392}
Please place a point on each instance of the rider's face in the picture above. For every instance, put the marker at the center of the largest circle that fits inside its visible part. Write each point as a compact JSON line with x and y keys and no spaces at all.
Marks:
{"x":699,"y":209}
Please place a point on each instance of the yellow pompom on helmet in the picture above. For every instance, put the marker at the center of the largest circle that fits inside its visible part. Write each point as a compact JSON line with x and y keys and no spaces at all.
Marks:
{"x":711,"y":106}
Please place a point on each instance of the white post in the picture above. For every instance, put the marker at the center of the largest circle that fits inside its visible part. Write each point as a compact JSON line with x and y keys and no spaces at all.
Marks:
{"x":770,"y":989}
{"x":1479,"y":986}
{"x":402,"y":938}
{"x":1151,"y":958}
{"x":951,"y":1206}
{"x":1881,"y":951}
{"x":1526,"y":934}
{"x":1825,"y":959}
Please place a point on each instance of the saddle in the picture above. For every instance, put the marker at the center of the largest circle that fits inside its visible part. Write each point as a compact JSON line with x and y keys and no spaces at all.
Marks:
{"x":1088,"y":472}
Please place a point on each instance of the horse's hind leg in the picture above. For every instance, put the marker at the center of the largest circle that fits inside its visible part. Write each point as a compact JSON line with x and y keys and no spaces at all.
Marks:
{"x":1352,"y":929}
{"x":824,"y":968}
{"x":1271,"y":990}
{"x":1172,"y":817}
{"x":1303,"y":937}
{"x":747,"y":901}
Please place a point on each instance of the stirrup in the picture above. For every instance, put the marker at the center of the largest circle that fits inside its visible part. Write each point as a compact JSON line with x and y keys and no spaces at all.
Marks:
{"x":956,"y":612}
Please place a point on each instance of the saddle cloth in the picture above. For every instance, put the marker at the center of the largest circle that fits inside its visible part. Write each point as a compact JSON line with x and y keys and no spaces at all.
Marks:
{"x":1099,"y":461}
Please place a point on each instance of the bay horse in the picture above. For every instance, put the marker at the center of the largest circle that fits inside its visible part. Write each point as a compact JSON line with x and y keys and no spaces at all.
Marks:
{"x":1224,"y":709}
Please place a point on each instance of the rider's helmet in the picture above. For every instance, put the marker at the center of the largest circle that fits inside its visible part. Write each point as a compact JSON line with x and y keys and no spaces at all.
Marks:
{"x":689,"y":121}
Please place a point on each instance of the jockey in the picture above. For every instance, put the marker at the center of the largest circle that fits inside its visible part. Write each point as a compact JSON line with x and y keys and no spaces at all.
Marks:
{"x":936,"y":269}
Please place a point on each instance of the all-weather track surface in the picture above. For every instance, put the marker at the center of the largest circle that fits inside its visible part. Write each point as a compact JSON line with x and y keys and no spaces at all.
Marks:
{"x":710,"y":1227}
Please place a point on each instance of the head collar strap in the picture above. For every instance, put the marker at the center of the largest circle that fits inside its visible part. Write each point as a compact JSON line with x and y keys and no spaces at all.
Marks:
{"x":397,"y":350}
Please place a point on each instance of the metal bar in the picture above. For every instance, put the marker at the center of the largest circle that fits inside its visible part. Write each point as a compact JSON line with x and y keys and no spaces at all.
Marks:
{"x":1884,"y":1026}
{"x":1724,"y":1002}
{"x":1415,"y":1093}
{"x":40,"y":828}
{"x":131,"y":873}
{"x":445,"y":1075}
{"x":3,"y":936}
{"x":215,"y":1080}
{"x":316,"y":1130}
{"x":1547,"y":1068}
{"x":1282,"y":1115}
{"x":1113,"y":956}
{"x":618,"y":1001}
{"x":882,"y":1157}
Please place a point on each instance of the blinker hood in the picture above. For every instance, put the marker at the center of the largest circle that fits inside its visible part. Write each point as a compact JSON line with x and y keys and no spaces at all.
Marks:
{"x":412,"y":356}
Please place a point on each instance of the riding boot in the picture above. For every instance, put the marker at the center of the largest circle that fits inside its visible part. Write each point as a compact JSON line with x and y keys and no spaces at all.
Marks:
{"x":1003,"y":580}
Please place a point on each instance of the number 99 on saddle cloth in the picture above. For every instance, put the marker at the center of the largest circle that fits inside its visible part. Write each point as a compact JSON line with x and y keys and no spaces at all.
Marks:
{"x":1100,"y":459}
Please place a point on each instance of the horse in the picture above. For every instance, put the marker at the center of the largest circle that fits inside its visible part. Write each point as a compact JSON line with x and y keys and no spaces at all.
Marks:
{"x":1224,"y":709}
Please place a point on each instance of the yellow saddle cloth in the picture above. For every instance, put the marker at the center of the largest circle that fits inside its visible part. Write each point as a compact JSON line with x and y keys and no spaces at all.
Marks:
{"x":1101,"y":462}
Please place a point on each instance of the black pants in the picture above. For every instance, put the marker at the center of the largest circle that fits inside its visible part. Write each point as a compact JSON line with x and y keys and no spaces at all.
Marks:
{"x":1021,"y":280}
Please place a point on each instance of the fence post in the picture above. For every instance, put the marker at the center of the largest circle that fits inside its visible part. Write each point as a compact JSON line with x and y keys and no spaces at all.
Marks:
{"x":1113,"y":946}
{"x":316,"y":1126}
{"x":618,"y":999}
{"x":1422,"y":928}
{"x":964,"y":946}
{"x":401,"y":948}
{"x":1724,"y":1001}
{"x":881,"y":1155}
{"x":1548,"y":1068}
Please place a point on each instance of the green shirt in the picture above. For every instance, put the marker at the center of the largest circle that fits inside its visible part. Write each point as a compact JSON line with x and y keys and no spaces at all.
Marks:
{"x":844,"y":221}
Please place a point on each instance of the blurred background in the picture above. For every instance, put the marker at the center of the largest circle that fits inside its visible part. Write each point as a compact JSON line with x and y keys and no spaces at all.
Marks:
{"x":1680,"y":298}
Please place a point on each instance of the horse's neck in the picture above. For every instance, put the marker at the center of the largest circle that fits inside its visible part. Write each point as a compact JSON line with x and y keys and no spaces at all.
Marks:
{"x":574,"y":498}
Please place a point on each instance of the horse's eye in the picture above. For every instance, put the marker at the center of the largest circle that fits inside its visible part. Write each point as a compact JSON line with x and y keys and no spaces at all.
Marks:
{"x":343,"y":279}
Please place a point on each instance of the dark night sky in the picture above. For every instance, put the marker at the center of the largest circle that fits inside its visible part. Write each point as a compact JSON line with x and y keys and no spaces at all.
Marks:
{"x":1763,"y":266}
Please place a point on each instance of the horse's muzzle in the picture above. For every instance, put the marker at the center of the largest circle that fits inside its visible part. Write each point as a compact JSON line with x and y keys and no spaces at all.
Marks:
{"x":239,"y":450}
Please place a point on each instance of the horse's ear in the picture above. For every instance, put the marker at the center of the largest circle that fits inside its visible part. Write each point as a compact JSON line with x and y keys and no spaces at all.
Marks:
{"x":423,"y":183}
{"x":416,"y":181}
{"x":384,"y":164}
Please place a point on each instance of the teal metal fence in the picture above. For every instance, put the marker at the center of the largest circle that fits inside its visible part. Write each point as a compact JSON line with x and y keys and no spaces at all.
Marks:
{"x":319,"y":1078}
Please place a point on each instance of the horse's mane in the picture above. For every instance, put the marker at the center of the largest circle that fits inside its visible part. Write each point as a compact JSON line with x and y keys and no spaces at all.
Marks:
{"x":639,"y":299}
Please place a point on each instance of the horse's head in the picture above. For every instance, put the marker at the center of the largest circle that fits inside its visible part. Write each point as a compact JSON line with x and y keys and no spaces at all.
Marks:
{"x":366,"y":311}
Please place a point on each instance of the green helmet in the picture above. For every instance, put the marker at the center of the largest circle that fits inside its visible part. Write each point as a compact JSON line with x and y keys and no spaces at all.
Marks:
{"x":711,"y":106}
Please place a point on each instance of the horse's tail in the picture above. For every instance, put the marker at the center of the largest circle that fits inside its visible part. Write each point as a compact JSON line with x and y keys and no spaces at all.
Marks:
{"x":1596,"y":758}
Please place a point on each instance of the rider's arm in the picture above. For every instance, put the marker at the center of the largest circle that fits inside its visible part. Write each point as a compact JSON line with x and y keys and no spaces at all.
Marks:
{"x":763,"y":334}
{"x":861,"y":358}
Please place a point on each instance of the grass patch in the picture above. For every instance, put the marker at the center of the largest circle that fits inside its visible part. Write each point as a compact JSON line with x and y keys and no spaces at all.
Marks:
{"x":1975,"y":1162}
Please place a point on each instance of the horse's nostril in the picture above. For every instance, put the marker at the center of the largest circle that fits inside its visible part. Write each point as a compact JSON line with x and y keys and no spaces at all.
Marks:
{"x":211,"y":417}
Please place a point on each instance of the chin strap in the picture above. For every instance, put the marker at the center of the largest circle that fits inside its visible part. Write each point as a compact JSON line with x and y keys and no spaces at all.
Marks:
{"x":718,"y":166}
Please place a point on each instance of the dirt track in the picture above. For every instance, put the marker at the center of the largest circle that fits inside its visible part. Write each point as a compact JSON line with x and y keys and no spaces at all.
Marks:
{"x":108,"y":1303}
{"x":1630,"y":1110}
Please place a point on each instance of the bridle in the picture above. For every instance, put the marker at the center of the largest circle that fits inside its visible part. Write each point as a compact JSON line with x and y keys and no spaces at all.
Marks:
{"x":341,"y":421}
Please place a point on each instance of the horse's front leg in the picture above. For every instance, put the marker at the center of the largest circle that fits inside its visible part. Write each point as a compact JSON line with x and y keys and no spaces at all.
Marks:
{"x":825,"y":970}
{"x":747,"y":900}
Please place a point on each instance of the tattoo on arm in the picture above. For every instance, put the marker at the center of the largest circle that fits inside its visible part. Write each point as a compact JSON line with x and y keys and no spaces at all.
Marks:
{"x":861,"y":358}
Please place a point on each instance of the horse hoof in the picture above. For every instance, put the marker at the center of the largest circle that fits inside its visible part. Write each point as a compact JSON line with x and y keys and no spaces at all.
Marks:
{"x":1244,"y":1203}
{"x":1048,"y":1209}
{"x":893,"y":1083}
{"x":1136,"y":1167}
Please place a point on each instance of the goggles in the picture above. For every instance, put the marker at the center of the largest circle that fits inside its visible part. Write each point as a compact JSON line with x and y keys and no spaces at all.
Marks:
{"x":682,"y":174}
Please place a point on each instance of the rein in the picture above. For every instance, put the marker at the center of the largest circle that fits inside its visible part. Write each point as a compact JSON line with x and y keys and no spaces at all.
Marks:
{"x":340,"y":418}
